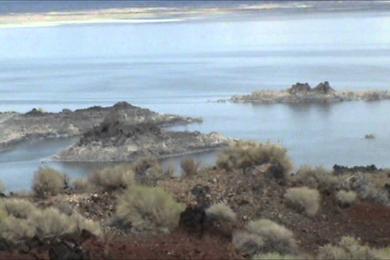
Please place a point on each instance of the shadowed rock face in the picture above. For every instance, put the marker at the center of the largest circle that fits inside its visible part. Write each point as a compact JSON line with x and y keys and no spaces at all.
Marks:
{"x":15,"y":127}
{"x":119,"y":140}
{"x":304,"y":93}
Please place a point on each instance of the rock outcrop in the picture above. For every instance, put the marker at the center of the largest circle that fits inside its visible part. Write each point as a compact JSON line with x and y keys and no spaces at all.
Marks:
{"x":304,"y":93}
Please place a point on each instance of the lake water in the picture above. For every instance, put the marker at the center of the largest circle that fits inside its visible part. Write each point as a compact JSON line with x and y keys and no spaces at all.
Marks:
{"x":183,"y":67}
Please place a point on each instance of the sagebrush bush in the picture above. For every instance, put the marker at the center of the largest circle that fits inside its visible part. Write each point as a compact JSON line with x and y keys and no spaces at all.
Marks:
{"x":275,"y":256}
{"x":317,"y":178}
{"x":276,"y":237}
{"x":17,"y":223}
{"x":244,"y":154}
{"x":48,"y":182}
{"x":247,"y":243}
{"x":2,"y":188}
{"x":221,"y":211}
{"x":113,"y":178}
{"x":348,"y":248}
{"x":81,"y":185}
{"x":148,"y":208}
{"x":368,"y":190}
{"x":190,"y":167}
{"x":346,"y":198}
{"x":148,"y":171}
{"x":305,"y":199}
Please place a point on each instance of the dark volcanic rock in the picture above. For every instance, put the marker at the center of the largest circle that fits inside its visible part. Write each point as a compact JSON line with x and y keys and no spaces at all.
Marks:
{"x":299,"y":88}
{"x":339,"y":169}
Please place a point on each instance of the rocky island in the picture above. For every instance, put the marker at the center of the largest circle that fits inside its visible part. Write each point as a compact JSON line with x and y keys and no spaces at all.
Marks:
{"x":304,"y":93}
{"x":122,"y":132}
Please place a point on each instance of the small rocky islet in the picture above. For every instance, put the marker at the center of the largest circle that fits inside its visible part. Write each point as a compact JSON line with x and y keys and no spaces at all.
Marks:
{"x":303,"y":93}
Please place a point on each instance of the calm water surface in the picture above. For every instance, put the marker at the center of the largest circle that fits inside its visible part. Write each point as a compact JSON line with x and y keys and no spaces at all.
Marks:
{"x":182,"y":67}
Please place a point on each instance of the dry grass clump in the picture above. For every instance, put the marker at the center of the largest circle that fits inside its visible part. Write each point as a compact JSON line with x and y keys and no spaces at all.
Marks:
{"x":18,"y":223}
{"x":148,"y":208}
{"x":277,"y":238}
{"x":347,"y":248}
{"x":190,"y":167}
{"x":148,"y":171}
{"x":244,"y":155}
{"x":305,"y":199}
{"x":113,"y":178}
{"x":221,"y":211}
{"x":48,"y":182}
{"x":317,"y":178}
{"x":275,"y":256}
{"x":346,"y":198}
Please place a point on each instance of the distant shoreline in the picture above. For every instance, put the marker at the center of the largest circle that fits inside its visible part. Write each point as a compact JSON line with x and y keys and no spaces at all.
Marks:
{"x":163,"y":14}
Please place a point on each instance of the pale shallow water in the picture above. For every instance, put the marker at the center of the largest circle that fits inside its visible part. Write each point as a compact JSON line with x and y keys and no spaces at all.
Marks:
{"x":181,"y":67}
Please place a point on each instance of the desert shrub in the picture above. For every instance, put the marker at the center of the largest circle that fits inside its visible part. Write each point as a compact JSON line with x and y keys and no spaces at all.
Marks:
{"x":48,"y":182}
{"x":18,"y":208}
{"x":276,"y":237}
{"x":317,"y":178}
{"x":189,"y":167}
{"x":304,"y":199}
{"x":148,"y":208}
{"x":113,"y":178}
{"x":346,"y":198}
{"x":221,"y":211}
{"x":368,"y":190}
{"x":382,"y":253}
{"x":275,"y":256}
{"x":80,"y":185}
{"x":247,"y":243}
{"x":348,"y":248}
{"x":19,"y":224}
{"x":2,"y":188}
{"x":148,"y":171}
{"x":243,"y":155}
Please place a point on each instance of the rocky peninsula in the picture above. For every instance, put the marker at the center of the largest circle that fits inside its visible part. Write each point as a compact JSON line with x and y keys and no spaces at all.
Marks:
{"x":122,"y":132}
{"x":302,"y":93}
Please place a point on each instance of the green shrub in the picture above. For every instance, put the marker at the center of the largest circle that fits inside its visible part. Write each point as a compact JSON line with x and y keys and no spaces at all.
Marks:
{"x":221,"y":211}
{"x":148,"y":208}
{"x":317,"y":178}
{"x":367,"y":190}
{"x":113,"y":178}
{"x":276,"y":237}
{"x":304,"y":199}
{"x":48,"y":182}
{"x":346,"y":198}
{"x":189,"y":167}
{"x":244,"y":155}
{"x":348,"y":248}
{"x":14,"y":229}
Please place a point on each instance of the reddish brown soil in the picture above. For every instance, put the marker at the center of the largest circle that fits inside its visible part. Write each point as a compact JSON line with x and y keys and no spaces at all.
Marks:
{"x":178,"y":245}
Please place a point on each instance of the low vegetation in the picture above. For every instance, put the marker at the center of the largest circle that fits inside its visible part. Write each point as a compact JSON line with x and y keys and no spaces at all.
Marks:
{"x":49,"y":182}
{"x":221,"y":211}
{"x":305,"y":199}
{"x":190,"y":167}
{"x":148,"y":208}
{"x":148,"y":171}
{"x":317,"y":178}
{"x":243,"y":155}
{"x":275,"y":256}
{"x":20,"y":220}
{"x":277,"y":238}
{"x":113,"y":178}
{"x":348,"y":248}
{"x":346,"y":198}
